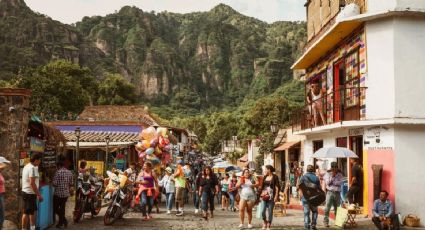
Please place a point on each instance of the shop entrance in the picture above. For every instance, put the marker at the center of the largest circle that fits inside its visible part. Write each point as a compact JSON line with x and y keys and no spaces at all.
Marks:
{"x":356,"y":145}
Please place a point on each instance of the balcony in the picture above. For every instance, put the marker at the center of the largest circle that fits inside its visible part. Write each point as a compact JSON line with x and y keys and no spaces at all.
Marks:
{"x":336,"y":106}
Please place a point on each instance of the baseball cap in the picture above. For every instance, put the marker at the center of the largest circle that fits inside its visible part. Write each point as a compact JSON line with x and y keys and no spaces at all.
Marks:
{"x":169,"y":170}
{"x":334,"y":165}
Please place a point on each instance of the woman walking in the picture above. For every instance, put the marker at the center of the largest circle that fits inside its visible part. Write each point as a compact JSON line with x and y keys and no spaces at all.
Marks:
{"x":269,"y":195}
{"x":225,"y":192}
{"x":148,"y":186}
{"x":233,"y":192}
{"x":207,"y":190}
{"x":247,"y":183}
{"x":167,"y":182}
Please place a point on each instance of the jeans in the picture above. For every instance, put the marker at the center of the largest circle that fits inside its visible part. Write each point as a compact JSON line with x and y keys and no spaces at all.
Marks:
{"x":196,"y":199}
{"x":59,"y":207}
{"x":219,"y":197}
{"x":232,"y":200}
{"x":332,"y":200}
{"x":169,"y":200}
{"x":314,"y":214}
{"x":146,"y":200}
{"x":1,"y":210}
{"x":268,"y":207}
{"x":352,"y":193}
{"x":207,"y":198}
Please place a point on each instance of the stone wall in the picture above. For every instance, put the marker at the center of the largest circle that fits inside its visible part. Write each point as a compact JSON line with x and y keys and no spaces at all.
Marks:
{"x":14,"y":117}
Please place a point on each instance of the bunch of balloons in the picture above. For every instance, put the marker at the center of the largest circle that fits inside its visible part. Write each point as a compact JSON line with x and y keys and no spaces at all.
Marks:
{"x":154,"y":146}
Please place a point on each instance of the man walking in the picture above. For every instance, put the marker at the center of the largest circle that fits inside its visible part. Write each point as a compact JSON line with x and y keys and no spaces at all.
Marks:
{"x":30,"y":191}
{"x":356,"y":181}
{"x":333,"y":182}
{"x":309,"y":177}
{"x":63,"y":182}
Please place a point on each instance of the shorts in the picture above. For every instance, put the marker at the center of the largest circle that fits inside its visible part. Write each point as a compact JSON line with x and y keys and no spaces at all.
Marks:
{"x":180,"y":194}
{"x":226,"y":194}
{"x":30,"y":203}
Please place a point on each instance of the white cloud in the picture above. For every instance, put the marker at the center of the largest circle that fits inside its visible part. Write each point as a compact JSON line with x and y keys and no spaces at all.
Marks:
{"x":69,"y":11}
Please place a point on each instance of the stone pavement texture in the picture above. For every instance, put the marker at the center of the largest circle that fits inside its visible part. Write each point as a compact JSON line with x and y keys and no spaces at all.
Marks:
{"x":222,"y":220}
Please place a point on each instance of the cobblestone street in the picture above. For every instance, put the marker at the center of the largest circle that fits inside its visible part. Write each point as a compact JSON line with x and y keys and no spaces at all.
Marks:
{"x":222,"y":220}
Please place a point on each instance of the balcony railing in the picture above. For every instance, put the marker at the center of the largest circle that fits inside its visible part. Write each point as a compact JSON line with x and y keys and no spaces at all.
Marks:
{"x":339,"y":105}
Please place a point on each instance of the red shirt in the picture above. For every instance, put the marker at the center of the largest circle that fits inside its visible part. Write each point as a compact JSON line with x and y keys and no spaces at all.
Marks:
{"x":2,"y":190}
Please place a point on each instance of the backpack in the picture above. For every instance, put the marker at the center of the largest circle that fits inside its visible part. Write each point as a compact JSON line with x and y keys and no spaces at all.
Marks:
{"x":313,"y":194}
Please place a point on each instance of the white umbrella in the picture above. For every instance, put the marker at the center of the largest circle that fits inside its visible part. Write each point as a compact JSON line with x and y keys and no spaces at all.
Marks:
{"x":334,"y":152}
{"x":223,"y":164}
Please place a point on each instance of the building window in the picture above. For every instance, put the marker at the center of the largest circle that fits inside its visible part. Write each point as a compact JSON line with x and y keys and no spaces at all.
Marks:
{"x":352,"y":79}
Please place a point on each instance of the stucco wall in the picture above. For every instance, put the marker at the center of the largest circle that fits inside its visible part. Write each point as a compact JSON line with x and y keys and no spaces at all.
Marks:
{"x":380,"y":94}
{"x":410,"y":170}
{"x":385,"y":5}
{"x":409,"y":50}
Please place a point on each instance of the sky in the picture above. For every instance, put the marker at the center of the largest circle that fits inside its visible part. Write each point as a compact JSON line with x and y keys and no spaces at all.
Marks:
{"x":70,"y":11}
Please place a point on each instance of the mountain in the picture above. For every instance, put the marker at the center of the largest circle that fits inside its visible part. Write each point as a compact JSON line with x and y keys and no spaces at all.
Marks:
{"x":199,"y":59}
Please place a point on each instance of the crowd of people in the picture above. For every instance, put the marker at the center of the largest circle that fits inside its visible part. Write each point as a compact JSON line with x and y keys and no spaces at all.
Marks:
{"x":231,"y":192}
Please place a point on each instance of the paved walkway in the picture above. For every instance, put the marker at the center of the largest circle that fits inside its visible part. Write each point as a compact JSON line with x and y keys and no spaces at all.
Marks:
{"x":222,"y":220}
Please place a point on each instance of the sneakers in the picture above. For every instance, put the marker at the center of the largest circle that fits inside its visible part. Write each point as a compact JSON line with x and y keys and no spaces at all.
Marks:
{"x":249,"y":226}
{"x":240,"y":226}
{"x":145,"y":218}
{"x":150,"y":217}
{"x":196,"y":211}
{"x":168,"y":212}
{"x":180,"y":213}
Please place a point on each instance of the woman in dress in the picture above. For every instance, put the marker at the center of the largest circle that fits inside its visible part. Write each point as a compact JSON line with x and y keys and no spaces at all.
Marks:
{"x":247,"y":183}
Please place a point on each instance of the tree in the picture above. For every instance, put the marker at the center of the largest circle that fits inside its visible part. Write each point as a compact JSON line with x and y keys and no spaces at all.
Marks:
{"x":220,"y":126}
{"x":115,"y":90}
{"x":267,"y":111}
{"x":58,"y":87}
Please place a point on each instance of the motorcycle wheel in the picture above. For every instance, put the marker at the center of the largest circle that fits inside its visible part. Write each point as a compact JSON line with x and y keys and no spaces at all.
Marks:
{"x":109,"y":217}
{"x":97,"y":207}
{"x":79,"y":212}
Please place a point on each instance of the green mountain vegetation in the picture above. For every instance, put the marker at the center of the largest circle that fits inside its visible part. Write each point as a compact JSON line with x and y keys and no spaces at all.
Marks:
{"x":219,"y":72}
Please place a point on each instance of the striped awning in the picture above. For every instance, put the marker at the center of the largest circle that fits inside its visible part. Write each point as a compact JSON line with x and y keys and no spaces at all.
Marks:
{"x":100,"y":136}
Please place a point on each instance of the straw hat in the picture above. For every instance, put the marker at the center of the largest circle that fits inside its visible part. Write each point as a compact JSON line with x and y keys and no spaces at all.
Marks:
{"x":4,"y":162}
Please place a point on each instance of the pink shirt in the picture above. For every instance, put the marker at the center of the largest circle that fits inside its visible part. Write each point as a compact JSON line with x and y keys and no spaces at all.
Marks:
{"x":2,"y":190}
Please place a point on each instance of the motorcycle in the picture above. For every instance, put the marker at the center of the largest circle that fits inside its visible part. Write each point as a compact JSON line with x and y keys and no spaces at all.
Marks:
{"x":89,"y":197}
{"x":120,"y":193}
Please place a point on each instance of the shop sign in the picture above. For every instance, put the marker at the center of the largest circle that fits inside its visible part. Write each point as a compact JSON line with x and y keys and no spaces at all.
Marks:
{"x":49,"y":157}
{"x":36,"y":145}
{"x":356,"y":132}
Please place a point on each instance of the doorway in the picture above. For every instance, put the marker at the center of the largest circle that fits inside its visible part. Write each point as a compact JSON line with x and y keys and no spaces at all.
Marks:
{"x":356,"y":145}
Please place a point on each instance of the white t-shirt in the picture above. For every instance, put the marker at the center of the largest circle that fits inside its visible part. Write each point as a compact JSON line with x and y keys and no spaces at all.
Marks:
{"x":29,"y":171}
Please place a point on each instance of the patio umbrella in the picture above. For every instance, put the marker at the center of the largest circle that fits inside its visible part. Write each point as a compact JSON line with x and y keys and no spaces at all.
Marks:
{"x":334,"y":152}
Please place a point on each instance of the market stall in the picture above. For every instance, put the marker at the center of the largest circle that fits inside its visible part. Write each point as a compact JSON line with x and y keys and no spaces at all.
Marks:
{"x":49,"y":143}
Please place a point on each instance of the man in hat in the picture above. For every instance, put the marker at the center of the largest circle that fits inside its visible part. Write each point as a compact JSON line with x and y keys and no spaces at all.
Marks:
{"x":30,"y":190}
{"x":3,"y":164}
{"x":311,"y":177}
{"x":63,"y":182}
{"x":180,"y":181}
{"x":333,"y":181}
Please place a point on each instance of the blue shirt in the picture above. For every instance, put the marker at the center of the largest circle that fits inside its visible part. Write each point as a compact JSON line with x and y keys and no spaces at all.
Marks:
{"x":311,"y":178}
{"x":382,"y":208}
{"x":333,"y":183}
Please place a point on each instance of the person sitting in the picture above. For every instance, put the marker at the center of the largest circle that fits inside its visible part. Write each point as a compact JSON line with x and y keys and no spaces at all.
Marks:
{"x":383,"y":212}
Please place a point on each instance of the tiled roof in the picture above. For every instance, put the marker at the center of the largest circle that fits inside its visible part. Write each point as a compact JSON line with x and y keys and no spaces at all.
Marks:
{"x":100,"y":136}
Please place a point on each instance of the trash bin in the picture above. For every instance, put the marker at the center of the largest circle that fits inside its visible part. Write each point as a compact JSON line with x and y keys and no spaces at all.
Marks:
{"x":45,"y":208}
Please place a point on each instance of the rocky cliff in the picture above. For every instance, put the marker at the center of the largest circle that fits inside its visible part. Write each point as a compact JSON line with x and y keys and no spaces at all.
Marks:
{"x":220,"y":55}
